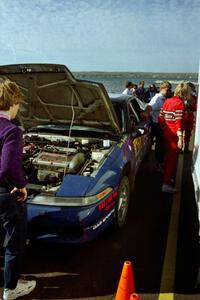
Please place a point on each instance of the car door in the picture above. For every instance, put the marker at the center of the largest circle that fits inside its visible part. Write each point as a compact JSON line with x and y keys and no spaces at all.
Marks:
{"x":140,"y":132}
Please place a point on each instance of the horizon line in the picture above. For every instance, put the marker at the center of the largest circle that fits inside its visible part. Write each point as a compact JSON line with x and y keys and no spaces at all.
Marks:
{"x":134,"y":72}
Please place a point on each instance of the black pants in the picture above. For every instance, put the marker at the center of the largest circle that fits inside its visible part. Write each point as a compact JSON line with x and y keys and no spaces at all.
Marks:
{"x":159,"y":142}
{"x":13,"y":216}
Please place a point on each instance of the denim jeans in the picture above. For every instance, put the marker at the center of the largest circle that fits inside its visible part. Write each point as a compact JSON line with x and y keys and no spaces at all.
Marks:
{"x":13,"y":216}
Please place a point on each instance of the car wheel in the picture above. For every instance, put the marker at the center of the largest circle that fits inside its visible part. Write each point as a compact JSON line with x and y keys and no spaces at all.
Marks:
{"x":122,"y":202}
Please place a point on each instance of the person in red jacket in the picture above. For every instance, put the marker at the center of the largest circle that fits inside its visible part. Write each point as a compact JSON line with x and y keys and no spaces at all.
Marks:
{"x":171,"y":120}
{"x":191,"y":106}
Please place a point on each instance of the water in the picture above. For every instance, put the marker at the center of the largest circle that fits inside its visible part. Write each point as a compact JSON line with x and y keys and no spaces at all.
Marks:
{"x":114,"y":82}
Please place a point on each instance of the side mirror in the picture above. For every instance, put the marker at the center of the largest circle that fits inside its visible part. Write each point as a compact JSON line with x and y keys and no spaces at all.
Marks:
{"x":141,"y":131}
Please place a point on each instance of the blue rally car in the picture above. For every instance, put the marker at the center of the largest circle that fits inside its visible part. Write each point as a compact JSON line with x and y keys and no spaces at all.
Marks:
{"x":82,"y":150}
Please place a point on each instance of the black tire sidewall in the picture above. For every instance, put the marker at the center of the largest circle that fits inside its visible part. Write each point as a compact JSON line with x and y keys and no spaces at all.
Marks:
{"x":124,"y":182}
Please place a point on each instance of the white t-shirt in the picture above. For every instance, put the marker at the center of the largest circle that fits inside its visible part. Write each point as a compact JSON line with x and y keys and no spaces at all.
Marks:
{"x":156,"y":103}
{"x":127,"y":92}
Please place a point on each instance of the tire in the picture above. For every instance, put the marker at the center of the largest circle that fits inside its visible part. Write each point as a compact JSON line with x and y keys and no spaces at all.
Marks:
{"x":121,"y":208}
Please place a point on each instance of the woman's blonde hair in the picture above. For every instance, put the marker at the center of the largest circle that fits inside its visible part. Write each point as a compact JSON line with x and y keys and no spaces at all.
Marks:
{"x":10,"y":94}
{"x":182,"y":90}
{"x":165,"y":84}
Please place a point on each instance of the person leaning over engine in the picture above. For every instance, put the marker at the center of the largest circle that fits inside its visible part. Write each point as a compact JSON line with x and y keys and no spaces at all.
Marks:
{"x":13,"y":192}
{"x":171,"y":120}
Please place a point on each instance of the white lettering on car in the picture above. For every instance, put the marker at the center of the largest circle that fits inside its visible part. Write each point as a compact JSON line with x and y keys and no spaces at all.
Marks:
{"x":103,"y":220}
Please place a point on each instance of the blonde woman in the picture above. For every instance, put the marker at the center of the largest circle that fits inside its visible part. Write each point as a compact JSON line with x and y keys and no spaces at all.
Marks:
{"x":171,"y":120}
{"x":13,"y":192}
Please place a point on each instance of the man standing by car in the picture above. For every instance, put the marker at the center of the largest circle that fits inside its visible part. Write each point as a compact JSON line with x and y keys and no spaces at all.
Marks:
{"x":153,"y":108}
{"x":13,"y":192}
{"x":141,"y":93}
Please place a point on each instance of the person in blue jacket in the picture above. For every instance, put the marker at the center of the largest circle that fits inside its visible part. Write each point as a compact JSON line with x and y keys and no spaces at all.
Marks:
{"x":150,"y":93}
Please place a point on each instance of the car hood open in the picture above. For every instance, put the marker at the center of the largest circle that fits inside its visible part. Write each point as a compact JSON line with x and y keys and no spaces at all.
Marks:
{"x":52,"y":95}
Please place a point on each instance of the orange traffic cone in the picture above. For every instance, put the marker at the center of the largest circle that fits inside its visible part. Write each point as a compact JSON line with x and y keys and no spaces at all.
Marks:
{"x":134,"y":297}
{"x":126,"y":283}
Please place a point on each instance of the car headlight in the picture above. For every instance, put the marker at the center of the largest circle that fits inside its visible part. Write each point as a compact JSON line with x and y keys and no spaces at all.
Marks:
{"x":49,"y":199}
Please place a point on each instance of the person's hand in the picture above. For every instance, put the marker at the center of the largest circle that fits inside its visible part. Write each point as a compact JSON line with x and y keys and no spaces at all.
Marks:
{"x":21,"y":194}
{"x":180,"y":142}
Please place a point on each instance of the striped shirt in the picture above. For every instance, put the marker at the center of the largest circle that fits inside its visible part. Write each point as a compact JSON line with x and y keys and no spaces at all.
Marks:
{"x":172,"y":114}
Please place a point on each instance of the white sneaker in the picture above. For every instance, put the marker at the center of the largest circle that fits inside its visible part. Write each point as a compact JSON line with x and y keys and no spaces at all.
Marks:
{"x":24,"y":287}
{"x":166,"y":188}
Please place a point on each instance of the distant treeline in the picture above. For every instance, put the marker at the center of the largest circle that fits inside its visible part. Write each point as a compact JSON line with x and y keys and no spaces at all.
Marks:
{"x":136,"y":74}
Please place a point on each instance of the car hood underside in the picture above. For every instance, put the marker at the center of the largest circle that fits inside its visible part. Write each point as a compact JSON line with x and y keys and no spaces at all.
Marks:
{"x":53,"y":96}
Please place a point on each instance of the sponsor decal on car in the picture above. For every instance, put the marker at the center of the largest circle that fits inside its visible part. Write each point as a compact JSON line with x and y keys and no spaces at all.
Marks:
{"x":137,"y":144}
{"x":109,"y":202}
{"x":127,"y":147}
{"x":104,"y":219}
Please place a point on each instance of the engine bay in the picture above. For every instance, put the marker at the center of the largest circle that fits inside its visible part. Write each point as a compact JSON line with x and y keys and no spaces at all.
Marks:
{"x":47,"y":158}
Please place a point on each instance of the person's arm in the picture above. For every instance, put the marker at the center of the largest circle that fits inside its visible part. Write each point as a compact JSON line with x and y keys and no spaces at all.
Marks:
{"x":152,"y":105}
{"x":161,"y":118}
{"x":179,"y":122}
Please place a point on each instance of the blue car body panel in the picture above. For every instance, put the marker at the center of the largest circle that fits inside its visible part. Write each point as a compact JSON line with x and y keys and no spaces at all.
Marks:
{"x":80,"y":224}
{"x":68,"y":224}
{"x":74,"y":185}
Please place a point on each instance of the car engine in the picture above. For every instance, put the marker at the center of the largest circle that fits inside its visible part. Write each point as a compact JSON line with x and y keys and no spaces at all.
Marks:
{"x":47,"y":158}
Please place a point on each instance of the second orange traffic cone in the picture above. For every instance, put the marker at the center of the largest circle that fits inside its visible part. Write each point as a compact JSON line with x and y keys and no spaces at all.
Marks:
{"x":126,"y":285}
{"x":134,"y":297}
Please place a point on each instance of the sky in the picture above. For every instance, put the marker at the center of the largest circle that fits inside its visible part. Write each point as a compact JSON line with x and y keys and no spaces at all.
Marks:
{"x":102,"y":35}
